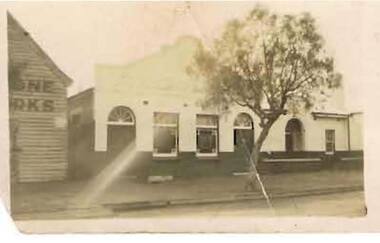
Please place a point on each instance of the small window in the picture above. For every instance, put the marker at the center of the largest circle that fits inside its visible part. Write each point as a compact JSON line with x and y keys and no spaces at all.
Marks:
{"x":207,"y":135}
{"x":330,"y":141}
{"x":165,"y":140}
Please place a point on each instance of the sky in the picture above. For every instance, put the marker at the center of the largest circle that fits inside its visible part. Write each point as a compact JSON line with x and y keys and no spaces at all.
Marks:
{"x":78,"y":35}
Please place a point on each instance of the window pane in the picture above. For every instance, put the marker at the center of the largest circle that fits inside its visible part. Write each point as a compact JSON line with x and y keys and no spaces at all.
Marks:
{"x":120,"y":114}
{"x":206,"y":141}
{"x":330,"y":140}
{"x":165,"y":140}
{"x":329,"y":147}
{"x":243,"y":120}
{"x":207,"y":120}
{"x":329,"y":136}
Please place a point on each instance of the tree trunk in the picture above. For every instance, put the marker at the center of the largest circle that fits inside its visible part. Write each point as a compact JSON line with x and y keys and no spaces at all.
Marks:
{"x":252,"y":183}
{"x":259,"y":143}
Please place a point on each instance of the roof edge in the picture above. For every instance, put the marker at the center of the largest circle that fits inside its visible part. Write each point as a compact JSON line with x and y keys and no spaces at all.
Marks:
{"x":81,"y":93}
{"x":68,"y":81}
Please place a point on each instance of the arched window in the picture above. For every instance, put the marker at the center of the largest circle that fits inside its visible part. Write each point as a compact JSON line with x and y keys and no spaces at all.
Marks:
{"x":243,"y":121}
{"x":294,"y":140}
{"x":244,"y":132}
{"x":121,"y":115}
{"x":121,"y":130}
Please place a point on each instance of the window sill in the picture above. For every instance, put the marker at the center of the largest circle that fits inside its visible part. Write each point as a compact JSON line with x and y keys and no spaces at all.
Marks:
{"x":165,"y":157}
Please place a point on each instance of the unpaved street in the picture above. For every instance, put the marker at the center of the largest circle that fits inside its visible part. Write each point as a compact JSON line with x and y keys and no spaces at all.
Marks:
{"x":349,"y":204}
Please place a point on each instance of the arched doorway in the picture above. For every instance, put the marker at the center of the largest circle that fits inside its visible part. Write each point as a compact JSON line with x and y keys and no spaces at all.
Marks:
{"x":244,"y":132}
{"x":121,"y":129}
{"x":294,"y":139}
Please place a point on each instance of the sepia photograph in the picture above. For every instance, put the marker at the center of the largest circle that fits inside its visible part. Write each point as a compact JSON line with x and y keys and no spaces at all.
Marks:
{"x":178,"y":110}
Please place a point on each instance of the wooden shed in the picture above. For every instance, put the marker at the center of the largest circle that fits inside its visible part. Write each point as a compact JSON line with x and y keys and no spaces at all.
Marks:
{"x":37,"y":110}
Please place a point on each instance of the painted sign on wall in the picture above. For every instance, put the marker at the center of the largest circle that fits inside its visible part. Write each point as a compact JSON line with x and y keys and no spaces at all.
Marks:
{"x":28,"y":98}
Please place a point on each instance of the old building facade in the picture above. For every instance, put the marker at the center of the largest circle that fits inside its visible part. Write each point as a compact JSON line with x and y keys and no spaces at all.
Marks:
{"x":37,"y":110}
{"x":154,"y":102}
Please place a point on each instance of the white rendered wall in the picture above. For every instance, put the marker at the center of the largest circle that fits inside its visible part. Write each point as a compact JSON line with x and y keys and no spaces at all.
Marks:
{"x":316,"y":134}
{"x":161,"y":80}
{"x":314,"y":130}
{"x":356,"y":128}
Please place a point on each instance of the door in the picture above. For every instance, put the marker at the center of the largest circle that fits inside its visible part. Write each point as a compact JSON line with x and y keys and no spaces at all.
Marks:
{"x":119,"y":137}
{"x":244,"y":139}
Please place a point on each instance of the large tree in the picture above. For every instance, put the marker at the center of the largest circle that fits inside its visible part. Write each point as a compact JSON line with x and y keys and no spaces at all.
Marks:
{"x":269,"y":63}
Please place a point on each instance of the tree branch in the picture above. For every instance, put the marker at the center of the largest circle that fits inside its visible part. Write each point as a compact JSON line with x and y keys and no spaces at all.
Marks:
{"x":300,"y":83}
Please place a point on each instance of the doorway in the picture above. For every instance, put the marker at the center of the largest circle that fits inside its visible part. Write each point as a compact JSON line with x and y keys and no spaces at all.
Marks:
{"x":244,"y":132}
{"x":121,"y":130}
{"x":294,"y":137}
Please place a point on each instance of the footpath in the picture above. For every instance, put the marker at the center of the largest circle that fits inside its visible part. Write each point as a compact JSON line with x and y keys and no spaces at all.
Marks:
{"x":65,"y":199}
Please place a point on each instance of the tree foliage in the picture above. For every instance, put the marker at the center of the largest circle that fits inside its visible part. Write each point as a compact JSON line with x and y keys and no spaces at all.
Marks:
{"x":269,"y":63}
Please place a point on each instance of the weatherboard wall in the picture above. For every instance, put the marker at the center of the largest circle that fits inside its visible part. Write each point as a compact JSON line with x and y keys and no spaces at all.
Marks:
{"x":38,"y":105}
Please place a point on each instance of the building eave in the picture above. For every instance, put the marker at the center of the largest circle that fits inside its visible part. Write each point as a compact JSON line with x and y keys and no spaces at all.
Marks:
{"x":85,"y":92}
{"x":330,"y":115}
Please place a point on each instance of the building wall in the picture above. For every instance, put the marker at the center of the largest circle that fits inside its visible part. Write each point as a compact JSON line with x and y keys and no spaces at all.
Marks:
{"x":144,"y":124}
{"x":356,"y":129}
{"x":82,"y":106}
{"x":313,"y":130}
{"x":161,"y":80}
{"x":38,"y":105}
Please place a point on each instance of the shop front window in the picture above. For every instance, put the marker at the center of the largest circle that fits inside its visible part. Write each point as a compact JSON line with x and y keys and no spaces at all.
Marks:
{"x":165,"y":140}
{"x":207,"y":135}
